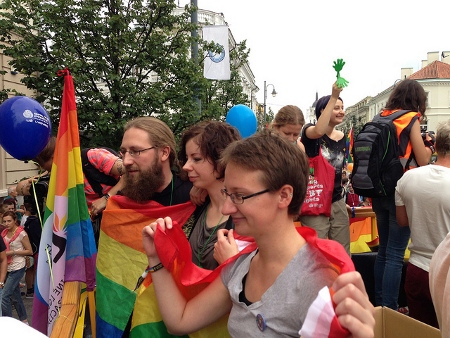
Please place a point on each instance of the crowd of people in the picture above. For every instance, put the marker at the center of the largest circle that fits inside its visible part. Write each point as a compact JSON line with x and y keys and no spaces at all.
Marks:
{"x":254,"y":187}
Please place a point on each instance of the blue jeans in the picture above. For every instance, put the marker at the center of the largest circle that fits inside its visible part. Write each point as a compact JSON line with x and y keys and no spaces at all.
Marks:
{"x":11,"y":292}
{"x":391,"y":252}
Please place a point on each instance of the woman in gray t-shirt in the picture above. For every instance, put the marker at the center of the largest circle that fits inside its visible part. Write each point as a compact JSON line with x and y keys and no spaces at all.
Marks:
{"x":269,"y":290}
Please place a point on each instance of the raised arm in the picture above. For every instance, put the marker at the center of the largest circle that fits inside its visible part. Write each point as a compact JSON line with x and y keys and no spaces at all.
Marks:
{"x":117,"y":170}
{"x":321,"y":127}
{"x":181,"y":316}
{"x":422,"y":153}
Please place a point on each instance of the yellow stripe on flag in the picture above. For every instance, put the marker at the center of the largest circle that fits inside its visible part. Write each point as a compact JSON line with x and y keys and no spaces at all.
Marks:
{"x":120,"y":255}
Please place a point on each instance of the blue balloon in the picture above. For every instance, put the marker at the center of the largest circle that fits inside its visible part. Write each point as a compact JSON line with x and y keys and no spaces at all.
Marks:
{"x":25,"y":127}
{"x":243,"y":118}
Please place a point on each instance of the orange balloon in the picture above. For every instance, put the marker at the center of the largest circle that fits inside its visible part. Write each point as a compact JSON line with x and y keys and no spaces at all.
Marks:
{"x":350,"y":166}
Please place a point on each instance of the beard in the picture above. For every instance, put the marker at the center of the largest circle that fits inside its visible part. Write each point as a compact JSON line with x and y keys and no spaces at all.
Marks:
{"x":143,"y":187}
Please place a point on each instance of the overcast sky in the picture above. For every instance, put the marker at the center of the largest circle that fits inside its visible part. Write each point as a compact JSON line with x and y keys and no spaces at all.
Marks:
{"x":293,"y":43}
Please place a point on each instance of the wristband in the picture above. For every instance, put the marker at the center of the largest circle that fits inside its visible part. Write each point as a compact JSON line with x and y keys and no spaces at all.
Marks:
{"x":430,"y":145}
{"x":107,"y":196}
{"x":155,"y":268}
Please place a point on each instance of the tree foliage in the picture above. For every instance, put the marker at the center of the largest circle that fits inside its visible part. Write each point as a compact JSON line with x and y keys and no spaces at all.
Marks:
{"x":127,"y":58}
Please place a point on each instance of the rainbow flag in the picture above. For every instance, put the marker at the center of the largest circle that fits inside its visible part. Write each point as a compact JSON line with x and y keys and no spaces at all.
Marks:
{"x":121,"y":260}
{"x":349,"y":146}
{"x":67,"y":251}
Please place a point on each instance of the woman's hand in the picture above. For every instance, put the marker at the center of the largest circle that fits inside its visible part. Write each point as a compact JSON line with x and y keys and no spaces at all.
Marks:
{"x":226,"y":246}
{"x":336,"y":91}
{"x":148,"y":235}
{"x":353,"y":307}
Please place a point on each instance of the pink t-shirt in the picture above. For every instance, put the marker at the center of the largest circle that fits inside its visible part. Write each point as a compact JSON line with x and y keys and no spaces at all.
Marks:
{"x":104,"y":161}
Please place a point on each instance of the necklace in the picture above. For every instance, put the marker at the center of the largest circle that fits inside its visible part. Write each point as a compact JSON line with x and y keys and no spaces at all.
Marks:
{"x":203,"y":224}
{"x":171,"y":193}
{"x":14,"y":232}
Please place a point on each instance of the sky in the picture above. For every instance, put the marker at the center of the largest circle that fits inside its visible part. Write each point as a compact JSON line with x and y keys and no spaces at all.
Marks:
{"x":293,"y":43}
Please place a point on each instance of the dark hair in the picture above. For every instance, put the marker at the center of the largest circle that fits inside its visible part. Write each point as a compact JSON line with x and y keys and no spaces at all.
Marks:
{"x":322,"y":103}
{"x":408,"y":94}
{"x":280,"y":161}
{"x":31,"y":207}
{"x":47,"y":153}
{"x":212,"y":137}
{"x":9,"y":201}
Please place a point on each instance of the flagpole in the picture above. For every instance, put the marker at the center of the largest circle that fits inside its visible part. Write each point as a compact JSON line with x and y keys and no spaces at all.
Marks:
{"x":194,"y":49}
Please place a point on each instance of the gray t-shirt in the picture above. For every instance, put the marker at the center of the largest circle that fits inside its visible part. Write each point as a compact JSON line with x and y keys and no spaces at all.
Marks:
{"x":284,"y":305}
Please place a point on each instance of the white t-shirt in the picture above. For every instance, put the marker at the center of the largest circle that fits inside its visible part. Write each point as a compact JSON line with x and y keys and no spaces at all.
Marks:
{"x":17,"y":262}
{"x":425,"y":193}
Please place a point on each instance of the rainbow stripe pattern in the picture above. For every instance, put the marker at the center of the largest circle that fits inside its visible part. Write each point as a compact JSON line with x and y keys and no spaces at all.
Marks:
{"x":67,"y":236}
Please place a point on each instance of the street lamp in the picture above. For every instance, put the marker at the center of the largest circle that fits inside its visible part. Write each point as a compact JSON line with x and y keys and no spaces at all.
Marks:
{"x":274,"y":93}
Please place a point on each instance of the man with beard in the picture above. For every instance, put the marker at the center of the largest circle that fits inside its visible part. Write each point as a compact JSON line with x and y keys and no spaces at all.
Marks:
{"x":153,"y":187}
{"x":151,"y":168}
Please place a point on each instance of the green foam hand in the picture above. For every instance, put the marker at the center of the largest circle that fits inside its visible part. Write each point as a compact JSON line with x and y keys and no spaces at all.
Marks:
{"x":338,"y":65}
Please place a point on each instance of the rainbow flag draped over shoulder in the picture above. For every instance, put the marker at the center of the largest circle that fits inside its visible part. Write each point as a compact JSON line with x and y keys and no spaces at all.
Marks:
{"x":349,"y":146}
{"x":67,"y":251}
{"x":121,"y":260}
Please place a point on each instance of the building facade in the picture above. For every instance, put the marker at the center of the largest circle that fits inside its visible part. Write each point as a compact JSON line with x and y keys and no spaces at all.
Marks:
{"x":12,"y":170}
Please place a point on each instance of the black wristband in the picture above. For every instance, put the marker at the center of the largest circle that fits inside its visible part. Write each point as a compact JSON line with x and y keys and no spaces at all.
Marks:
{"x":155,"y":268}
{"x":430,"y":145}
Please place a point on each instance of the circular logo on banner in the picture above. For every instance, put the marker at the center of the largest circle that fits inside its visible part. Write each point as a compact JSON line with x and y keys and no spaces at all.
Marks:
{"x":216,"y":58}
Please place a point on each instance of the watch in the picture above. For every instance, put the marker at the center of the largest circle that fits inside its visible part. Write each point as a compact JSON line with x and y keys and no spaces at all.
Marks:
{"x":106,"y":196}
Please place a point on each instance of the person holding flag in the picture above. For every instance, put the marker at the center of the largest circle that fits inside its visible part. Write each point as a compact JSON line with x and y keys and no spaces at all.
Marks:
{"x":154,"y":185}
{"x":271,"y":284}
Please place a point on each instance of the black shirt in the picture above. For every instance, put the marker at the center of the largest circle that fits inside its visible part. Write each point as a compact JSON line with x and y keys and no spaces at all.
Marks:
{"x":333,"y":151}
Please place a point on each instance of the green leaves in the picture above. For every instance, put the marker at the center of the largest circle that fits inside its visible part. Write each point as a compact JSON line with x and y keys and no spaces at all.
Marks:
{"x":127,"y":58}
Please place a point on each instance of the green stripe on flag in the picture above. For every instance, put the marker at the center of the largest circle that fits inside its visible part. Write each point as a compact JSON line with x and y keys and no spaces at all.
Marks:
{"x":114,"y":294}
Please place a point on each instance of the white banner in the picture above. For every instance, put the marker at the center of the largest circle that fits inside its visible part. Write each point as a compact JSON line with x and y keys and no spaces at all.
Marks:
{"x":217,"y":65}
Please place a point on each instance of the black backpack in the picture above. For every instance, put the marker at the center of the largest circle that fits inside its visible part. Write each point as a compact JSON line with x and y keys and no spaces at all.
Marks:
{"x":95,"y":177}
{"x":376,"y":157}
